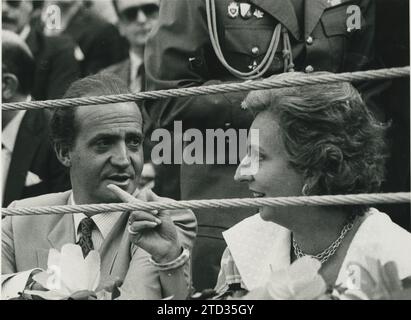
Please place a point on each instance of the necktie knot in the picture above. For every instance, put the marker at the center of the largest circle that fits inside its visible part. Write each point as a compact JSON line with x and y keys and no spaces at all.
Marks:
{"x":85,"y":229}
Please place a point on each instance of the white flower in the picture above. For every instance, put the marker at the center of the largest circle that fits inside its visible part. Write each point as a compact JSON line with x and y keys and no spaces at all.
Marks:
{"x":300,"y":281}
{"x":68,"y":272}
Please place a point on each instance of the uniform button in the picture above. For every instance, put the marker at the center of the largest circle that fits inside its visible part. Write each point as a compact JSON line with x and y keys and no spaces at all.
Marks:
{"x":255,"y":51}
{"x":309,"y":69}
{"x":310,"y":40}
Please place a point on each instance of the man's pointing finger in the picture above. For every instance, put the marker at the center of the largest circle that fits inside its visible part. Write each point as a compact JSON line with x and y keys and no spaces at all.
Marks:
{"x":124,"y":196}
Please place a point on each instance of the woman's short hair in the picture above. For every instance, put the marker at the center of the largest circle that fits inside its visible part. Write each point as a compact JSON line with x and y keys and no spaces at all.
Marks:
{"x":63,"y":125}
{"x":330,"y":136}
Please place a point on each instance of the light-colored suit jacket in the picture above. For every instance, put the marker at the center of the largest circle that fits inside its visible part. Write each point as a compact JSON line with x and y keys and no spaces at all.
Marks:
{"x":26,"y":241}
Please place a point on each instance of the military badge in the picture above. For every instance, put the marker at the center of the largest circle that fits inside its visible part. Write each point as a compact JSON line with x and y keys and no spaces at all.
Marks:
{"x":245,"y":10}
{"x":258,"y":14}
{"x":232,"y":10}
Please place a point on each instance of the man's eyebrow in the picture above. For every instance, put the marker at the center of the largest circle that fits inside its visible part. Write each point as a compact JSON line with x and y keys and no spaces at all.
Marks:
{"x":103,"y":135}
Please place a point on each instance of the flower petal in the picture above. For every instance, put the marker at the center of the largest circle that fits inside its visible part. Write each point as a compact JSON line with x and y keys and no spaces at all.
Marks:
{"x":74,"y":272}
{"x":304,"y":270}
{"x":311,"y":289}
{"x":42,"y":278}
{"x":53,"y":258}
{"x":92,"y":264}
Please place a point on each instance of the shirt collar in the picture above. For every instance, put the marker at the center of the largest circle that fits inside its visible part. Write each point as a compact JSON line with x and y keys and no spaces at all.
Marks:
{"x":103,"y":221}
{"x":25,"y":32}
{"x":9,"y":133}
{"x":135,"y":62}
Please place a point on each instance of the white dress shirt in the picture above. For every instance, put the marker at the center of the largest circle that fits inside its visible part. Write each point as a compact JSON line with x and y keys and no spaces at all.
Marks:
{"x":8,"y":140}
{"x":135,"y":79}
{"x":103,"y":221}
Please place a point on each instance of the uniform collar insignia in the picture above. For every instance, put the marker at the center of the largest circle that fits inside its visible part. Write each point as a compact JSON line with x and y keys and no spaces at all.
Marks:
{"x":232,"y":10}
{"x":245,"y":10}
{"x":333,"y":3}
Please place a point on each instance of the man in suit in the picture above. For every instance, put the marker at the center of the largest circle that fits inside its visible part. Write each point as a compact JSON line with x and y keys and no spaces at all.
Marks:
{"x":315,"y":35}
{"x":30,"y":166}
{"x":102,"y":147}
{"x":136,"y":19}
{"x":56,"y":67}
{"x":99,"y":43}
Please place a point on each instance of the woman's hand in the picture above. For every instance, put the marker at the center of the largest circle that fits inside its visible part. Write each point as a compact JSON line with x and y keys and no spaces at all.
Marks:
{"x":154,"y":232}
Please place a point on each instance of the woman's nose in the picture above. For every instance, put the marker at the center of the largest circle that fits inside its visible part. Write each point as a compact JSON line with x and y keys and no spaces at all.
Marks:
{"x":242,"y":173}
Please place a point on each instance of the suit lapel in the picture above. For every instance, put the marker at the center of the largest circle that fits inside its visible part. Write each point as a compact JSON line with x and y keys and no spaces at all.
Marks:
{"x":313,"y":12}
{"x":283,"y":11}
{"x":33,"y":41}
{"x":63,"y":232}
{"x":111,"y":244}
{"x":60,"y":234}
{"x":27,"y":142}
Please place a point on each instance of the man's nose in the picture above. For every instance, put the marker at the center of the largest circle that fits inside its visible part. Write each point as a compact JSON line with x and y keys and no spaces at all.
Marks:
{"x":121,"y":156}
{"x":242,"y":173}
{"x":141,"y":16}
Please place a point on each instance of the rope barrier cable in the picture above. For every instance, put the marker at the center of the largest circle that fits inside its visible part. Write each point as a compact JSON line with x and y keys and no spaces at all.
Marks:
{"x":290,"y":81}
{"x":327,"y":200}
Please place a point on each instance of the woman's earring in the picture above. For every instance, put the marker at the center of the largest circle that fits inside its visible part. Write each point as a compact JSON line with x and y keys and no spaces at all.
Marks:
{"x":304,"y":191}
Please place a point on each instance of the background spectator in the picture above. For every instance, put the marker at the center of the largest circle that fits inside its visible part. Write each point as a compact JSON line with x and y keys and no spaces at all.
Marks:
{"x":55,"y":65}
{"x":29,"y":165}
{"x":99,"y":42}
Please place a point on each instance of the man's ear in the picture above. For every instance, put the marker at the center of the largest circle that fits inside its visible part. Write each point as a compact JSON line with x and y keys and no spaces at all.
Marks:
{"x":10,"y":86}
{"x":63,"y":154}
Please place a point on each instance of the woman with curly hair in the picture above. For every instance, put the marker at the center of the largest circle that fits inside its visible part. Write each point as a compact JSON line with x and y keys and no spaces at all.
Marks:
{"x":312,"y":140}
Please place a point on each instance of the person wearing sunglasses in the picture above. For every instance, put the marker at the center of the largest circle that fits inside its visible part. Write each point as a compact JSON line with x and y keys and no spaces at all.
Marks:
{"x":136,"y":19}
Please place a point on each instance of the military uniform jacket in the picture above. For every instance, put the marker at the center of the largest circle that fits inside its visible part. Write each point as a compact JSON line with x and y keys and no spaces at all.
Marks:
{"x":179,"y":54}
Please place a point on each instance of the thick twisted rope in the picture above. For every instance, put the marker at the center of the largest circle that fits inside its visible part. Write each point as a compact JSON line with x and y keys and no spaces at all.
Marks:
{"x":290,"y":80}
{"x":354,"y":199}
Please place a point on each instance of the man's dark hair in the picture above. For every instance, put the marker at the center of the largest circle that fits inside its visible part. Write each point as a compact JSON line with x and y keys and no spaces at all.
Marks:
{"x":18,"y":60}
{"x":63,"y":124}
